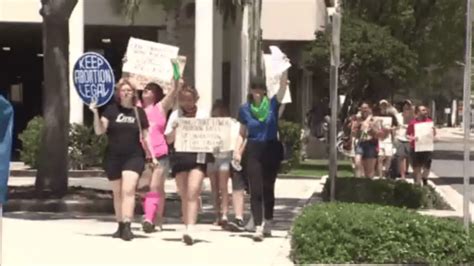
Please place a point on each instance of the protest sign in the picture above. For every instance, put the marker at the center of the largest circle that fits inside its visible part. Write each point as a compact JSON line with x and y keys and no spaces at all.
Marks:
{"x":424,"y":137}
{"x":148,"y":61}
{"x":276,"y":68}
{"x":94,"y":79}
{"x":6,"y":129}
{"x":386,"y":143}
{"x":205,"y":135}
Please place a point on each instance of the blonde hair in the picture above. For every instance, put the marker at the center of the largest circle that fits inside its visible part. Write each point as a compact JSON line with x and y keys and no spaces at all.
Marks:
{"x":122,"y":82}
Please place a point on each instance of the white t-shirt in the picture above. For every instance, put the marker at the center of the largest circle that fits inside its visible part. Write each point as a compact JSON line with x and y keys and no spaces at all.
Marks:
{"x":402,"y":128}
{"x":179,"y":113}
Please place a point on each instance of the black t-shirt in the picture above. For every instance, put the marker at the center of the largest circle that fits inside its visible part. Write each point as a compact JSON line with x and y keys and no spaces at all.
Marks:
{"x":123,"y":132}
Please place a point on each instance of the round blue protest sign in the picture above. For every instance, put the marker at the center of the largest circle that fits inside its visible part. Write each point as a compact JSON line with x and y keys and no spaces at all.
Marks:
{"x":94,"y":79}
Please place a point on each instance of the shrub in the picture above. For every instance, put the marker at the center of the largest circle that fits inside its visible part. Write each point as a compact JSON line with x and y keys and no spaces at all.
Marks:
{"x":85,"y":148}
{"x":362,"y":233}
{"x":385,"y":192}
{"x":290,"y":136}
{"x":31,"y":140}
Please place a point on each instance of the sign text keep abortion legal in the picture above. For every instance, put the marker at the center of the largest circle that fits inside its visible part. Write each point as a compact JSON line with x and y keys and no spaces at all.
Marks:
{"x":94,"y":79}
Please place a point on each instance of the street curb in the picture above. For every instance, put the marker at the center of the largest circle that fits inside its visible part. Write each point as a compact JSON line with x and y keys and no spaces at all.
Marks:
{"x":441,"y":193}
{"x":283,"y":255}
{"x":82,"y":206}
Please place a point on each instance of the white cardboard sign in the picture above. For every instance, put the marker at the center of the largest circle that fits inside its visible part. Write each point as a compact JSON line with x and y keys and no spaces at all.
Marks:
{"x":205,"y":135}
{"x":276,"y":67}
{"x":148,"y":61}
{"x":424,"y":137}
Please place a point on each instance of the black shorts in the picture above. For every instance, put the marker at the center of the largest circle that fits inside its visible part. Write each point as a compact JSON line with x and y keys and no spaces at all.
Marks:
{"x":185,"y":162}
{"x":421,"y":159}
{"x":114,"y":165}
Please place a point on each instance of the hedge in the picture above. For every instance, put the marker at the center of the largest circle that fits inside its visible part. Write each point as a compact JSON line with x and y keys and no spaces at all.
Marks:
{"x":362,"y":233}
{"x":385,"y":192}
{"x":85,"y":148}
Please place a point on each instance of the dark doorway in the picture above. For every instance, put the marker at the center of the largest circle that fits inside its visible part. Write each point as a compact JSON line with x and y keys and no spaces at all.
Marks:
{"x":21,"y":72}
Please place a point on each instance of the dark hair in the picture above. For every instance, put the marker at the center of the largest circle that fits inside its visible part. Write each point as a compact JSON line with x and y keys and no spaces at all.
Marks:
{"x":190,"y":89}
{"x":257,"y":83}
{"x":366,"y":102}
{"x":220,"y":107}
{"x":417,"y":108}
{"x":157,"y":91}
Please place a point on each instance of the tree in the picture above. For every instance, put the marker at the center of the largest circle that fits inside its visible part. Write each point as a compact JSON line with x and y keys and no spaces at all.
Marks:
{"x":53,"y":163}
{"x":433,"y":29}
{"x":373,"y":62}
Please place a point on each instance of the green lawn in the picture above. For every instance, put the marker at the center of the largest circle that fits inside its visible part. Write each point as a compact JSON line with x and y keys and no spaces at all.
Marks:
{"x":319,"y":168}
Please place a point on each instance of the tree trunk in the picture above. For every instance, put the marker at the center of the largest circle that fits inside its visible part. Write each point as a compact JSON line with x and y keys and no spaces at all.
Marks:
{"x":53,"y":162}
{"x":255,"y":36}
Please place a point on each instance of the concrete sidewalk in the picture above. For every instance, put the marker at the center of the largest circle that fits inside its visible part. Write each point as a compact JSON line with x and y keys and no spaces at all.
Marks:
{"x":74,"y":239}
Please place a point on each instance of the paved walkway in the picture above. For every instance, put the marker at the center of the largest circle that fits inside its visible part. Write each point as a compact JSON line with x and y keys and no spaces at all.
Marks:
{"x":447,"y":170}
{"x":73,"y":239}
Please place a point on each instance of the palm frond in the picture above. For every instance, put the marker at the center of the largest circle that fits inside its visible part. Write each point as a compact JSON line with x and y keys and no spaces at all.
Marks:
{"x":130,"y":8}
{"x":228,"y":8}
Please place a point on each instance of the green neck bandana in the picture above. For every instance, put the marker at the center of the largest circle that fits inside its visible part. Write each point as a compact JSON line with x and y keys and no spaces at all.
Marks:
{"x":261,"y":112}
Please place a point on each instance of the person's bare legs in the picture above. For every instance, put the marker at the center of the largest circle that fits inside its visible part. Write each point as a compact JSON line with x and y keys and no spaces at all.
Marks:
{"x":358,"y":167}
{"x":157,"y":185}
{"x":117,"y":194}
{"x":117,"y":198}
{"x":417,"y":174}
{"x":223,"y":182}
{"x":425,"y":174}
{"x":213,"y":176}
{"x":402,"y":164}
{"x":129,"y":187}
{"x":238,"y":197}
{"x":388,"y":163}
{"x":380,"y":164}
{"x":182,"y":184}
{"x":193,"y":190}
{"x":369,"y":167}
{"x":194,"y":184}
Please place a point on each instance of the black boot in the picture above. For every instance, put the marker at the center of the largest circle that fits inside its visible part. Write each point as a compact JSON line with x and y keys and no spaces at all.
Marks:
{"x":118,"y":233}
{"x":127,"y":234}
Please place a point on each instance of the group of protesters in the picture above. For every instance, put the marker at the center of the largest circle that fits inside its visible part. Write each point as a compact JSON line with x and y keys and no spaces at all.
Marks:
{"x":141,"y":131}
{"x":388,"y":149}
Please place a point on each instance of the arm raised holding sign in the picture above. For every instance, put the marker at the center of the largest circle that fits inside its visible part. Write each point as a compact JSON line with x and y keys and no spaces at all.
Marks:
{"x":284,"y":82}
{"x":100,"y":123}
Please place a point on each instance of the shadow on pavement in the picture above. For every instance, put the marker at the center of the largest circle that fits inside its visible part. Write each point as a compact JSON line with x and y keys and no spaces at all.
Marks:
{"x":110,"y":236}
{"x":285,"y":211}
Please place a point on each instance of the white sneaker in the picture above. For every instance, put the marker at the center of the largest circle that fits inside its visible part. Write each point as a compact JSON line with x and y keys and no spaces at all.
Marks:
{"x":188,"y":236}
{"x":267,"y":228}
{"x":258,"y":235}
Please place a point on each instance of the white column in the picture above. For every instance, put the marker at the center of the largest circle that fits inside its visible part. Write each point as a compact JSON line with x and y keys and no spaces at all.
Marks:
{"x":236,"y":59}
{"x":245,"y":55}
{"x":76,"y":49}
{"x":217,"y":54}
{"x":203,"y":50}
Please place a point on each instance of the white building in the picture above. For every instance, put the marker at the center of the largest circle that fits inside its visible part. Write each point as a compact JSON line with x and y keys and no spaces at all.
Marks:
{"x":215,"y":49}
